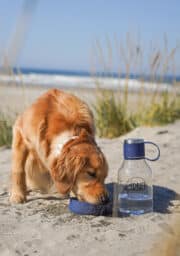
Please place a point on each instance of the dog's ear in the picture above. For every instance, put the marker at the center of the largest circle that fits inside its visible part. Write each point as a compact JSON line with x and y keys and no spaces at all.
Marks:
{"x":84,"y":128}
{"x":65,"y":170}
{"x":84,"y":135}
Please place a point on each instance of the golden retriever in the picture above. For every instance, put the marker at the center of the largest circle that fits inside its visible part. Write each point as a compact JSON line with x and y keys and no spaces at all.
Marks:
{"x":54,"y":144}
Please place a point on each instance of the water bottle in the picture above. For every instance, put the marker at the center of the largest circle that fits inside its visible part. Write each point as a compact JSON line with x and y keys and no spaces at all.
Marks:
{"x":134,"y":190}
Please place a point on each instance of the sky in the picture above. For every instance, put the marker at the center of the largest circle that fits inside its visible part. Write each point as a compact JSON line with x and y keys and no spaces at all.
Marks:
{"x":61,"y":33}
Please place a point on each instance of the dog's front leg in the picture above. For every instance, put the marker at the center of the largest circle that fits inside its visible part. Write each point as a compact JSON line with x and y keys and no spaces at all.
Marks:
{"x":19,"y":154}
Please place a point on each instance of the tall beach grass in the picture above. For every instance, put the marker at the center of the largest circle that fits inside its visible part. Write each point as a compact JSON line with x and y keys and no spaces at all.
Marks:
{"x":6,"y":123}
{"x":158,"y":106}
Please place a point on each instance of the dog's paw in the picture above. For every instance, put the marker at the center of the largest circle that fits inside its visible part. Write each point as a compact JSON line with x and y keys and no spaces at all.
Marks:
{"x":17,"y":198}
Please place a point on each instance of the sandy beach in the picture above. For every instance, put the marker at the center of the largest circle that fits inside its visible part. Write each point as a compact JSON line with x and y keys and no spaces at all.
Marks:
{"x":16,"y":97}
{"x":122,"y":58}
{"x":44,"y":225}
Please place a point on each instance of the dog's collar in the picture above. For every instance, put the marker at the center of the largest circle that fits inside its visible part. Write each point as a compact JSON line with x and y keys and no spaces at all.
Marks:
{"x":59,"y":146}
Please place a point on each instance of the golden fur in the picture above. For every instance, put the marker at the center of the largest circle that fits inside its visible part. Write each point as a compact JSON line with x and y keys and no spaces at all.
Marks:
{"x":169,"y":242}
{"x":54,"y":144}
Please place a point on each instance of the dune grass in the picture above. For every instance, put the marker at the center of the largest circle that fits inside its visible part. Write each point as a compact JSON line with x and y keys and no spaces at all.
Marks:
{"x":5,"y":130}
{"x":167,"y":110}
{"x":112,"y":113}
{"x":112,"y":118}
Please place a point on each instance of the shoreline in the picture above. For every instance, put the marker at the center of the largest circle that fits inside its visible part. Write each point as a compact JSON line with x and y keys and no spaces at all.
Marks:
{"x":88,"y":82}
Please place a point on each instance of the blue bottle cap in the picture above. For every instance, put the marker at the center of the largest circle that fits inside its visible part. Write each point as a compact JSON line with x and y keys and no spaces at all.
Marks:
{"x":135,"y":149}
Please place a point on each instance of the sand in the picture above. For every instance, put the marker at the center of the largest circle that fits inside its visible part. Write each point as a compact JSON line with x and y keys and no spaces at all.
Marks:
{"x":44,"y":225}
{"x":16,"y":98}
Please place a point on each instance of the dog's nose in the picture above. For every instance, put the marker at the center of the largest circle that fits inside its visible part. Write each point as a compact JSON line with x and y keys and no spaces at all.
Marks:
{"x":104,"y":198}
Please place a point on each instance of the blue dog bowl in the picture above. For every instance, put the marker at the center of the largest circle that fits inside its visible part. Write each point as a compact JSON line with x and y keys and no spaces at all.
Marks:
{"x":84,"y":208}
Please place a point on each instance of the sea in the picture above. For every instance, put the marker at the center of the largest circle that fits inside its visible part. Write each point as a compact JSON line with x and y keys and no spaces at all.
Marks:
{"x":84,"y":79}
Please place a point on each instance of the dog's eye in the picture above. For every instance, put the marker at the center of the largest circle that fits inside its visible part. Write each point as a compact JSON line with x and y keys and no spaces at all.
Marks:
{"x":92,"y":174}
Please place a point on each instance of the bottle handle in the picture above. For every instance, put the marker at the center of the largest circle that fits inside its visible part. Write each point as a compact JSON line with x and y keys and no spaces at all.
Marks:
{"x":158,"y":151}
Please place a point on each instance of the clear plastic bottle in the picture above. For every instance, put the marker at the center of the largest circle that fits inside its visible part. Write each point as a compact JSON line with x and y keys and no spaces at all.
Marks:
{"x":134,"y":189}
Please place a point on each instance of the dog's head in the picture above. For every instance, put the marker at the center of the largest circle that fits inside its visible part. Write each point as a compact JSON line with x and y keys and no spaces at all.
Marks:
{"x":82,"y":169}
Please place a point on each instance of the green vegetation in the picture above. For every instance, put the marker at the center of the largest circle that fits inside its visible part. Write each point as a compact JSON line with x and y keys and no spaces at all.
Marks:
{"x":167,"y":110}
{"x":114,"y":114}
{"x":5,"y":130}
{"x":112,"y":119}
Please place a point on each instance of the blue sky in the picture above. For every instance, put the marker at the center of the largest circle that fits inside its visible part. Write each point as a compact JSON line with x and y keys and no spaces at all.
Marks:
{"x":62,"y":32}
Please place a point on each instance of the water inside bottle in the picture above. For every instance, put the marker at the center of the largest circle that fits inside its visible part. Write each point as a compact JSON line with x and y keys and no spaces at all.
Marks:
{"x":135,"y":203}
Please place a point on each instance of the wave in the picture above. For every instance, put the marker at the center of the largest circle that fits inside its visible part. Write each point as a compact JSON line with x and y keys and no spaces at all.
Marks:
{"x":86,"y":82}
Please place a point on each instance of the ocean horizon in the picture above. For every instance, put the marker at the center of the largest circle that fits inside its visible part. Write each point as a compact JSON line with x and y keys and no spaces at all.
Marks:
{"x":83,"y":79}
{"x":84,"y":73}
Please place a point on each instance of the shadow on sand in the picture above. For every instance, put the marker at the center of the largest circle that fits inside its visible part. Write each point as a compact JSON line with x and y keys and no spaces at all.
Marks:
{"x":162,"y":197}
